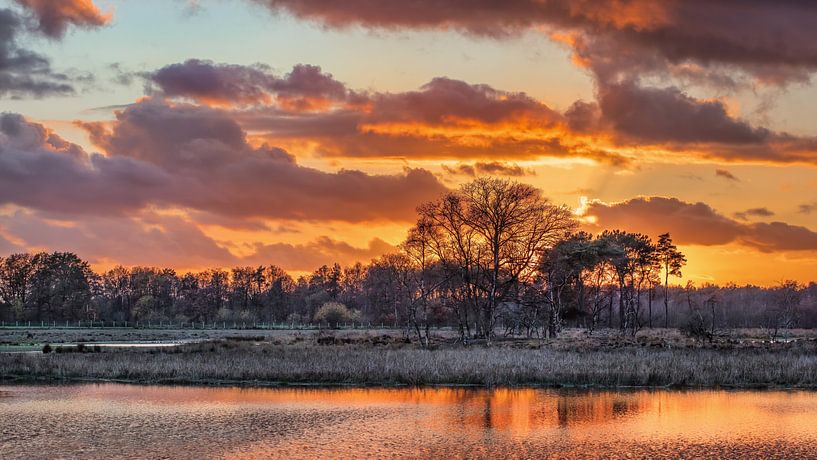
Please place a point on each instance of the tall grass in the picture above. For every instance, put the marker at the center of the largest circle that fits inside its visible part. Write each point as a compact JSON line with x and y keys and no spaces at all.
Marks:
{"x":270,"y":364}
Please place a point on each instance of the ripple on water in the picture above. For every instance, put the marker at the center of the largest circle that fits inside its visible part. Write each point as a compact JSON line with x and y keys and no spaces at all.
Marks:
{"x":124,"y":421}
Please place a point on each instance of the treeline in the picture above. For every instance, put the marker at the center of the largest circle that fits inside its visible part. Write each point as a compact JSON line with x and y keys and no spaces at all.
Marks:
{"x":492,"y":258}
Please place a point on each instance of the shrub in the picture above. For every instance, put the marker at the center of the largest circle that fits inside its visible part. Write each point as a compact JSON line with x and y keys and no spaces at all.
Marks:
{"x":333,"y":313}
{"x":47,"y":348}
{"x":696,"y":327}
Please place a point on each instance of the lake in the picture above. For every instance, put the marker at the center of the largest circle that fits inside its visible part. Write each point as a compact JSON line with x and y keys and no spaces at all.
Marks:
{"x":129,"y":421}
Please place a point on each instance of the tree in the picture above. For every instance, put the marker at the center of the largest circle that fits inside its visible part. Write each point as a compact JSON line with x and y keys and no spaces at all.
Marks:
{"x":384,"y":287}
{"x":425,"y":277}
{"x":563,"y":267}
{"x":672,"y":261}
{"x":279,"y":288}
{"x":16,"y":273}
{"x":491,"y":234}
{"x":632,"y":253}
{"x":784,"y":308}
{"x":61,"y":286}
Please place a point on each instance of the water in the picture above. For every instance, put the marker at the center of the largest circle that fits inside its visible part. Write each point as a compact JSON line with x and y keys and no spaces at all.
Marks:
{"x":124,"y":421}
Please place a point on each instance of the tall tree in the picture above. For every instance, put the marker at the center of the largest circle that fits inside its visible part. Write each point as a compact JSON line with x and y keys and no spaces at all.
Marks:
{"x":495,"y":231}
{"x":672,"y":261}
{"x":16,"y":273}
{"x":61,"y":286}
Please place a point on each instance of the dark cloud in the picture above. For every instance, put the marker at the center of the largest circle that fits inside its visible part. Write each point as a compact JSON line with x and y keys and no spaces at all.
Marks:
{"x":26,"y":73}
{"x":54,"y":17}
{"x":41,"y":170}
{"x":696,"y":224}
{"x":807,"y":208}
{"x":628,"y":45}
{"x":770,"y":41}
{"x":444,"y":100}
{"x":726,"y":174}
{"x":669,"y":115}
{"x":305,"y":87}
{"x":753,"y":212}
{"x":190,"y":157}
{"x":492,"y":168}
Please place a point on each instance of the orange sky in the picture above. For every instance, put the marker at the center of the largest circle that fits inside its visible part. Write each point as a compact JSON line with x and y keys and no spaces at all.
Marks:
{"x":167,"y":146}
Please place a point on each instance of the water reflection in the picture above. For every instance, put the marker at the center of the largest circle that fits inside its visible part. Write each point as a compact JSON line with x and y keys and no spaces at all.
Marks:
{"x":113,"y":421}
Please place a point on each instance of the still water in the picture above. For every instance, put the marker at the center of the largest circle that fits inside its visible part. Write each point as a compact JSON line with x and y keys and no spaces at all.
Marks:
{"x":124,"y":421}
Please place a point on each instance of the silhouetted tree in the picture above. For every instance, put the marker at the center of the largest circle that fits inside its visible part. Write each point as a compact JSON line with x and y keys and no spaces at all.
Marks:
{"x":672,"y":261}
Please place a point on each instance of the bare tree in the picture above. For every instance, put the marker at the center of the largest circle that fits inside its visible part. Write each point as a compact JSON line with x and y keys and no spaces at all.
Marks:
{"x":426,"y":279}
{"x":492,"y":233}
{"x":784,"y":308}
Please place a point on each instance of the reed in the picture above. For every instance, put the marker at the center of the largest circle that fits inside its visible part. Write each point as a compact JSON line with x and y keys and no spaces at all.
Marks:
{"x":232,"y":362}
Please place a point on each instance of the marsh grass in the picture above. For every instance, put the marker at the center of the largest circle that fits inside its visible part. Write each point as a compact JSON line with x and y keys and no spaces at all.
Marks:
{"x":225,"y":362}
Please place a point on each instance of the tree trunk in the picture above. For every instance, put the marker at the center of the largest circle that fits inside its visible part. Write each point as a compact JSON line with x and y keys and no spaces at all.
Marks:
{"x":666,"y":298}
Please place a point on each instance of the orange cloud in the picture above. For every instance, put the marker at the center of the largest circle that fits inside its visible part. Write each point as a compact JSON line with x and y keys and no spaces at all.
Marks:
{"x":54,"y":17}
{"x":309,"y":111}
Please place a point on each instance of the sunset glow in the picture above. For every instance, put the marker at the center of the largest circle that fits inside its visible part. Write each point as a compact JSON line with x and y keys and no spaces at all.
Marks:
{"x":200,"y":134}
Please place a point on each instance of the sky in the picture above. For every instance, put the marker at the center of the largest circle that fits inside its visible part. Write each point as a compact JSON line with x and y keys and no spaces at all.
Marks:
{"x":197,"y":134}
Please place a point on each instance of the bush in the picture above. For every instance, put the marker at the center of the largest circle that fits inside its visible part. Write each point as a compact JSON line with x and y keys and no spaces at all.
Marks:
{"x":696,"y":327}
{"x":334,"y":313}
{"x":47,"y":348}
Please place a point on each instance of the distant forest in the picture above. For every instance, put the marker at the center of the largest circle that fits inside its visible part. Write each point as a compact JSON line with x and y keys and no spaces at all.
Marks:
{"x":491,"y":258}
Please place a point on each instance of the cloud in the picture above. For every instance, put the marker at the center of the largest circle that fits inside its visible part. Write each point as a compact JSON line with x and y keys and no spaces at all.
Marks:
{"x":492,"y":168}
{"x":807,"y":208}
{"x":443,"y":119}
{"x":669,"y":115}
{"x":769,"y":41}
{"x":24,"y":72}
{"x":146,"y":239}
{"x":308,"y":110}
{"x":304,"y":87}
{"x":54,"y":17}
{"x":150,"y":239}
{"x":695,"y":224}
{"x":7,"y":247}
{"x":323,"y":250}
{"x":190,"y":157}
{"x":726,"y":175}
{"x":753,"y":212}
{"x":628,"y":47}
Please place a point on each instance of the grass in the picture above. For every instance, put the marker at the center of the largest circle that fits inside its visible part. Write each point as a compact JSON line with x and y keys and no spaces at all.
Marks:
{"x":384,"y":361}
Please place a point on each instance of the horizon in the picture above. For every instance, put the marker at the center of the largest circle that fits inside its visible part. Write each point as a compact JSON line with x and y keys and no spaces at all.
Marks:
{"x":198,"y":134}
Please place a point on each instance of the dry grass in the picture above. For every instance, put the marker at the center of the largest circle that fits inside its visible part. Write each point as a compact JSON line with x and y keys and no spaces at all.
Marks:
{"x":390,"y":363}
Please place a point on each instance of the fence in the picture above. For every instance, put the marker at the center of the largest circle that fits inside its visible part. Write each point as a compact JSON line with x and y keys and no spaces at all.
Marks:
{"x":197,"y":325}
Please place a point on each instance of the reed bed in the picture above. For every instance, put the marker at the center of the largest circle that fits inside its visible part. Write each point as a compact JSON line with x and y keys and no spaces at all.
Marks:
{"x":228,"y":362}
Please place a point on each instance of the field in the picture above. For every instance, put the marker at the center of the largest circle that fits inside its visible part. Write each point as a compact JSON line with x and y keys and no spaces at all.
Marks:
{"x":656,"y":358}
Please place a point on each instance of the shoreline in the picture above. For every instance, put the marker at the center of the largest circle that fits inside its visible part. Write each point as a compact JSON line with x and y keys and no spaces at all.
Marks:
{"x":9,"y":381}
